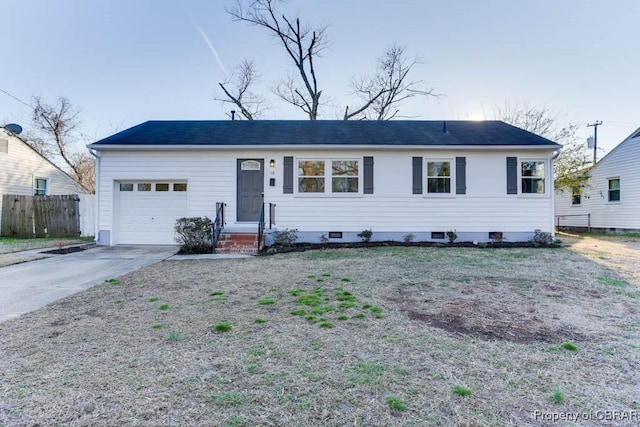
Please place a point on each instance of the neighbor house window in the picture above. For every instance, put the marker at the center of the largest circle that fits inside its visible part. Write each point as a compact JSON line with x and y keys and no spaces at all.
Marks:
{"x":614,"y":189}
{"x":40,"y":187}
{"x":533,"y":176}
{"x":576,"y":195}
{"x":343,"y":175}
{"x":438,"y":177}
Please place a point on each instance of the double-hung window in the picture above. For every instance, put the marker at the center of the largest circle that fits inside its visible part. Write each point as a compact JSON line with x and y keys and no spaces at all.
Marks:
{"x":329,"y":176}
{"x":576,"y":195}
{"x":439,"y":177}
{"x":532,"y":174}
{"x":614,"y":190}
{"x":40,"y":187}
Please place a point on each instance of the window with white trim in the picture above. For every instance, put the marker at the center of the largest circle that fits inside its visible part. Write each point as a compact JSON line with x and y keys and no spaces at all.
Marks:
{"x":439,"y":176}
{"x":576,"y":195}
{"x":328,"y":176}
{"x":614,"y":190}
{"x":532,"y":176}
{"x":40,"y":186}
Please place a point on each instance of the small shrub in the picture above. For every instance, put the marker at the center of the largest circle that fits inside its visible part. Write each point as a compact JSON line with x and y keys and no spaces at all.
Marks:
{"x":194,"y":235}
{"x":452,"y":235}
{"x":408,"y":238}
{"x":272,"y":251}
{"x":324,"y":239}
{"x":365,"y":235}
{"x":462,"y":391}
{"x":222,"y":327}
{"x":542,"y":238}
{"x":569,"y":346}
{"x":285,"y":237}
{"x":395,"y":403}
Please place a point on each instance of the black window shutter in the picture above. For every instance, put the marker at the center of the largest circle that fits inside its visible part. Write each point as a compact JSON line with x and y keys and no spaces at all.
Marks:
{"x":287,"y":180}
{"x":417,"y":175}
{"x":368,"y":175}
{"x":461,"y":175}
{"x":512,"y":175}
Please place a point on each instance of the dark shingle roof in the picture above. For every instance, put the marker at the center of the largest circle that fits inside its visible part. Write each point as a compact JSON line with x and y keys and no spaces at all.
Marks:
{"x":325,"y":132}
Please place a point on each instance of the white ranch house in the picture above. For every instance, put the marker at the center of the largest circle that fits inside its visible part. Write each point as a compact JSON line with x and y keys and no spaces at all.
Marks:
{"x":326,"y":178}
{"x":23,"y":171}
{"x":610,"y":201}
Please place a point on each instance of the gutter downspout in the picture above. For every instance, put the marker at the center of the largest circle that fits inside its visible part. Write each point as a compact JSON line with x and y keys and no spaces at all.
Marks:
{"x":553,"y":194}
{"x":96,"y":226}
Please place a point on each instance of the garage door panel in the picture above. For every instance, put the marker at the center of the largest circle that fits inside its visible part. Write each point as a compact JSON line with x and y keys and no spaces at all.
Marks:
{"x":148,"y":217}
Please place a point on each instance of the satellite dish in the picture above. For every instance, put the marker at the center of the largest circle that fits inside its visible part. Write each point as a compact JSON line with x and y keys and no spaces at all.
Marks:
{"x":14,"y":128}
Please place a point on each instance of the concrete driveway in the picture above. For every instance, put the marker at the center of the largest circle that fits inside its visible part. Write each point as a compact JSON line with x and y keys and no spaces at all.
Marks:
{"x":29,"y":286}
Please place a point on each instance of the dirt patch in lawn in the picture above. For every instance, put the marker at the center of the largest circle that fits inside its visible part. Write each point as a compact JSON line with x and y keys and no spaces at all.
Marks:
{"x":378,"y":336}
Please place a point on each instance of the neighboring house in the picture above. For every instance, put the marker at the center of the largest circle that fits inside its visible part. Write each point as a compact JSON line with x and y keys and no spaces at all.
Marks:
{"x":24,"y":171}
{"x":326,"y":178}
{"x":610,"y":200}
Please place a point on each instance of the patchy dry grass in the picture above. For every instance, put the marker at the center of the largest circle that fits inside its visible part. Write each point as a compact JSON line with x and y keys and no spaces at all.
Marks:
{"x":423,"y":325}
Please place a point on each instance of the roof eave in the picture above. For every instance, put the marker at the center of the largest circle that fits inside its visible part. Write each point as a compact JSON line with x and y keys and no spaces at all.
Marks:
{"x":341,"y":147}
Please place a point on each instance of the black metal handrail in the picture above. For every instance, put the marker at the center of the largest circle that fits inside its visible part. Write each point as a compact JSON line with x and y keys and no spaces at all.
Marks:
{"x":218,"y":224}
{"x":261,"y":228}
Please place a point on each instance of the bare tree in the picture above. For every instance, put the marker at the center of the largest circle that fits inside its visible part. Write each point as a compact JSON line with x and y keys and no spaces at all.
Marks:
{"x":388,"y":87}
{"x":59,"y":127}
{"x":301,"y":43}
{"x":572,"y":166}
{"x":238,"y":91}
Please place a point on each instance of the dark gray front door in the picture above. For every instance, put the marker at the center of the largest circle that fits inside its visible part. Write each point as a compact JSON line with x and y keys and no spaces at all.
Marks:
{"x":250,"y":188}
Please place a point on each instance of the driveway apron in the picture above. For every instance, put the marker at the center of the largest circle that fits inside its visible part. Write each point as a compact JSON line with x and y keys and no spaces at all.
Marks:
{"x":29,"y":286}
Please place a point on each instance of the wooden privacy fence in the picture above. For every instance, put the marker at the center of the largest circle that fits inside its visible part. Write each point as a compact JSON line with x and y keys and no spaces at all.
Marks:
{"x":40,"y":216}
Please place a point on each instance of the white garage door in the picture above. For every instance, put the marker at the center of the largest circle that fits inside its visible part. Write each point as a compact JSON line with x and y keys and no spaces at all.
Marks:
{"x":147,"y":211}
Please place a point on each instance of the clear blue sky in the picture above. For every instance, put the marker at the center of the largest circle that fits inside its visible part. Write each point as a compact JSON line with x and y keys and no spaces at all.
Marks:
{"x":125,"y":62}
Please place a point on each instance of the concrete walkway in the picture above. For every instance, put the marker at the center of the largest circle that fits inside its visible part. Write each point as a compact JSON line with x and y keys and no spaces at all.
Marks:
{"x":31,"y":285}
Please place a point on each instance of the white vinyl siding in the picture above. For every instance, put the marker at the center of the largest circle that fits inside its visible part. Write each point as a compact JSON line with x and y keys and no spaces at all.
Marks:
{"x":20,"y":165}
{"x":392,"y":207}
{"x":621,"y":163}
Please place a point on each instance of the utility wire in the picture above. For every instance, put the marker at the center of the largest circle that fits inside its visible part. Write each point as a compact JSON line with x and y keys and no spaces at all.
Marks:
{"x":14,"y":97}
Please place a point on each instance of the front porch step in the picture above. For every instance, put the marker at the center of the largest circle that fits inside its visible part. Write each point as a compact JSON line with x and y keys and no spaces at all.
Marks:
{"x":238,"y":243}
